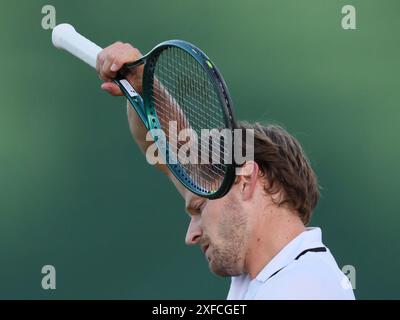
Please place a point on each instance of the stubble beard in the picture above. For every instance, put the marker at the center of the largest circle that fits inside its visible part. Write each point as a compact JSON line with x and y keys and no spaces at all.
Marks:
{"x":227,"y":256}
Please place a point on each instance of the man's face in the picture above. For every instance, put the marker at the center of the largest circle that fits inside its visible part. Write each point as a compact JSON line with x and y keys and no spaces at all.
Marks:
{"x":220,"y":228}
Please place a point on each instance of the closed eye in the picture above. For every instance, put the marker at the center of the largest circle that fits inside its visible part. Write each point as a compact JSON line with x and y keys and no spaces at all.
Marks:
{"x":196,"y":208}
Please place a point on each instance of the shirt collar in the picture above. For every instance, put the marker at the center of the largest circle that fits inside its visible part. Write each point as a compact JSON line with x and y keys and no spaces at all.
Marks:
{"x":310,"y":238}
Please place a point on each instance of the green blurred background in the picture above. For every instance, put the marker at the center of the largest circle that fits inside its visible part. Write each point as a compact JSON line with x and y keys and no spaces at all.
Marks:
{"x":76,"y":193}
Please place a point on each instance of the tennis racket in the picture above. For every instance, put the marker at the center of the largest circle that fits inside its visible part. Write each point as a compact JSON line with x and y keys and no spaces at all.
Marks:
{"x":180,"y":85}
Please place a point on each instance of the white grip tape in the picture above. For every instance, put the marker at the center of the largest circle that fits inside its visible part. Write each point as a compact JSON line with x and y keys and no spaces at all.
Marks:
{"x":65,"y":37}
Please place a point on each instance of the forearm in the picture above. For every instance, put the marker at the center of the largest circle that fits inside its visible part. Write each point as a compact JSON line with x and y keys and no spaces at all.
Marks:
{"x":112,"y":59}
{"x":139,"y":133}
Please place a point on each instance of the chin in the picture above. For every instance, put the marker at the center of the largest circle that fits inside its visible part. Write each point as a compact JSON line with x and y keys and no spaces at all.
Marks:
{"x":224,"y":270}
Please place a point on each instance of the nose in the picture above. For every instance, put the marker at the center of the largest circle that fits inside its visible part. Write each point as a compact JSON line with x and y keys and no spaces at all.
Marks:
{"x":194,"y":232}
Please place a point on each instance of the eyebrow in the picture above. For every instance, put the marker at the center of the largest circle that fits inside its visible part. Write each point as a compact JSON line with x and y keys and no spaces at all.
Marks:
{"x":190,"y":207}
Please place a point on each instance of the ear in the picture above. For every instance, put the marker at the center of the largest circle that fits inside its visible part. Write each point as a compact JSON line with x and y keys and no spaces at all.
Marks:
{"x":247,"y":179}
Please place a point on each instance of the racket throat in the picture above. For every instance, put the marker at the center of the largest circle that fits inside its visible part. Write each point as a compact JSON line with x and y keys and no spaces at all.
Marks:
{"x":134,"y":99}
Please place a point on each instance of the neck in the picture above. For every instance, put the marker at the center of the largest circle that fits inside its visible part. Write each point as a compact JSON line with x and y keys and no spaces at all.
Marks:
{"x":272,"y":231}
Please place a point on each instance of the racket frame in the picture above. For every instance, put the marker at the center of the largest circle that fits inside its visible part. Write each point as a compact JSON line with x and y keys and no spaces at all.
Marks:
{"x":146,"y":110}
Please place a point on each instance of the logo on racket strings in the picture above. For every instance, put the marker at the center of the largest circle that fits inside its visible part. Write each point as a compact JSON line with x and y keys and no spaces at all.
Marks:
{"x":187,"y":146}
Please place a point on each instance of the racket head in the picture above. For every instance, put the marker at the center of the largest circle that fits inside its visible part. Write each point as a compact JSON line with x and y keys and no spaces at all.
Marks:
{"x":179,"y":77}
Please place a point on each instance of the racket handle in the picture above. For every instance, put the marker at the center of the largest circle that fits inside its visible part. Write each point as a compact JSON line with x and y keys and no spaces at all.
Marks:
{"x":65,"y":37}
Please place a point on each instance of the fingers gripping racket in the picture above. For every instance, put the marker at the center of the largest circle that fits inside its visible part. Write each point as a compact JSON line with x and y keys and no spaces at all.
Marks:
{"x":180,"y":85}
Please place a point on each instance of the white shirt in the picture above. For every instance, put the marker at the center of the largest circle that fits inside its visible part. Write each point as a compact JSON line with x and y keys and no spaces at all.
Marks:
{"x":314,"y":275}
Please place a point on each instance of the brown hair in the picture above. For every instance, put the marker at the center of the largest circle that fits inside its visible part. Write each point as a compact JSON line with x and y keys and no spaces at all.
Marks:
{"x":286,"y":168}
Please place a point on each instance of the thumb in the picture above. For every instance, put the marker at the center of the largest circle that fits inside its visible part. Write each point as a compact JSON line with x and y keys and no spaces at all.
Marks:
{"x":111,"y":88}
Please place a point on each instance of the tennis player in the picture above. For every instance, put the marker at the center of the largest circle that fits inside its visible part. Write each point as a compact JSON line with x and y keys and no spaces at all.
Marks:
{"x":257,"y":232}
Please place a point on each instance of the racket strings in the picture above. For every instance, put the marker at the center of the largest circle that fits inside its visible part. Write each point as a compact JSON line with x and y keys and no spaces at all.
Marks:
{"x":183,"y":92}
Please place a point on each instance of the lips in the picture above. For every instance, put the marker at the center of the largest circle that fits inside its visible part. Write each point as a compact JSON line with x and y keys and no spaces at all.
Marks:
{"x":205,"y":248}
